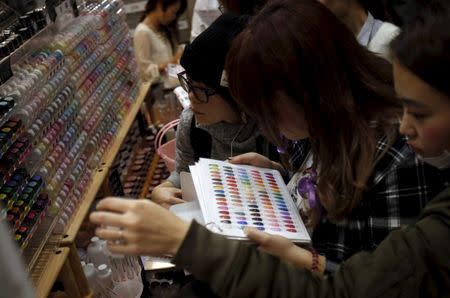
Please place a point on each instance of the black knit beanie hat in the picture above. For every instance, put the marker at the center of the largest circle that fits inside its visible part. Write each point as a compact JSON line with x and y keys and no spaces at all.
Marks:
{"x":204,"y":59}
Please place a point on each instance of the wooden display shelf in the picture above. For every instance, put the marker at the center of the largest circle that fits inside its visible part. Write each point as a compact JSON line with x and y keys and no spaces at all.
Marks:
{"x":149,"y":176}
{"x":64,"y":263}
{"x":51,"y":272}
{"x":102,"y":172}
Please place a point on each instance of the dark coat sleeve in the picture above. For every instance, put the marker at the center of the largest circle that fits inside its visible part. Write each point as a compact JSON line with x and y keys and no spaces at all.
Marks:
{"x":412,"y":262}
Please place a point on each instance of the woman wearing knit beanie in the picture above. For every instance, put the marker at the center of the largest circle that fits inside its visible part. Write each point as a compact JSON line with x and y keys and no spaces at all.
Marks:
{"x":213,"y":126}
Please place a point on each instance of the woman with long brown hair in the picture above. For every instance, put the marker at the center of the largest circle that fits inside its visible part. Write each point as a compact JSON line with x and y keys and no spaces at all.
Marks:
{"x":308,"y":78}
{"x":153,"y":42}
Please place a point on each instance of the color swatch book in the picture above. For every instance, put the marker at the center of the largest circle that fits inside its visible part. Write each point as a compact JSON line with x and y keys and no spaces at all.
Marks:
{"x":232,"y":197}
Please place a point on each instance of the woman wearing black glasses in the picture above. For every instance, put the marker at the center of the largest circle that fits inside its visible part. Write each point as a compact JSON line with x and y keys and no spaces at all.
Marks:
{"x":213,"y":127}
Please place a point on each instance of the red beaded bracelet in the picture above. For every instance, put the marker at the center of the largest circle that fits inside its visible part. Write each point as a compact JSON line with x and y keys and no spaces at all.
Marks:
{"x":315,"y":260}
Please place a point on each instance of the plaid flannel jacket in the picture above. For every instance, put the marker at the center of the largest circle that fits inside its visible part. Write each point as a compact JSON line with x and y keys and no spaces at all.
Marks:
{"x":398,"y":190}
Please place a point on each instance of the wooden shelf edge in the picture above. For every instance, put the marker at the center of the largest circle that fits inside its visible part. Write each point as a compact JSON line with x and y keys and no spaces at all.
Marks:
{"x":83,"y":209}
{"x":102,"y":172}
{"x":51,"y":271}
{"x":149,"y":176}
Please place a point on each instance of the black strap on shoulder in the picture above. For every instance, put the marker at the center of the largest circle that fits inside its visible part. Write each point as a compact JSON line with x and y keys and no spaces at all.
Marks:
{"x":200,"y":141}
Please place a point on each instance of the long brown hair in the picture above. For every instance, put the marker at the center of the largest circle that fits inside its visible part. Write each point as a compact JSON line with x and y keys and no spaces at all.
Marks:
{"x":423,"y":46}
{"x":301,"y":49}
{"x":243,"y":7}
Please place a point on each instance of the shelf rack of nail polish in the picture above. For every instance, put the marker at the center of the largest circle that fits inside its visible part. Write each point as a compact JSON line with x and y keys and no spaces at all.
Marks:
{"x":31,"y":214}
{"x":84,"y":178}
{"x":94,"y":118}
{"x":53,"y":68}
{"x":107,"y":131}
{"x":52,"y":96}
{"x":85,"y":112}
{"x":17,"y":30}
{"x":36,"y":32}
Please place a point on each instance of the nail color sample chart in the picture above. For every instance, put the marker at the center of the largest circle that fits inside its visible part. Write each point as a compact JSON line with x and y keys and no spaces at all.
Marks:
{"x":232,"y":197}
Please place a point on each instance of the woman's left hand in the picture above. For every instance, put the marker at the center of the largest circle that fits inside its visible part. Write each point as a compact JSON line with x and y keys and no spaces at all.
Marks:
{"x":284,"y":249}
{"x":140,"y":227}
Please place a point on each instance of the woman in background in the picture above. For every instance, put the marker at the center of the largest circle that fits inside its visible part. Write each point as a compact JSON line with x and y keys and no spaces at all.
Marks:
{"x":154,"y":45}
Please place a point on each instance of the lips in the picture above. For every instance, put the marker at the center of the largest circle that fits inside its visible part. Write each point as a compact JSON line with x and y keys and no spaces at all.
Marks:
{"x":417,"y":150}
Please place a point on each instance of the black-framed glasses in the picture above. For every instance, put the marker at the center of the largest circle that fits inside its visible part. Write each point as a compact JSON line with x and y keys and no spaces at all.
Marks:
{"x":201,"y":94}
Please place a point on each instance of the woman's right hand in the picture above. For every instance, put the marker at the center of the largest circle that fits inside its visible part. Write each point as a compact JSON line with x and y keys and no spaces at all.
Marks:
{"x":255,"y":159}
{"x":138,"y":227}
{"x":167,"y":195}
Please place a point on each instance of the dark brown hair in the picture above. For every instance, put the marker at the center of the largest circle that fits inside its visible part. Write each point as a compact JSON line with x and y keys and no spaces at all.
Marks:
{"x":301,"y":49}
{"x":424,"y":46}
{"x":152,"y":4}
{"x":243,"y":7}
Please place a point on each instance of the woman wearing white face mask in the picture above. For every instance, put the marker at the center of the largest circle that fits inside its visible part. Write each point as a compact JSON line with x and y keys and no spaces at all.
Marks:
{"x":426,"y":116}
{"x":412,"y":262}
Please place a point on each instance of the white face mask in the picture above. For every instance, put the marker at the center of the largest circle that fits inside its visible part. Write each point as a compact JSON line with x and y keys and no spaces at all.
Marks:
{"x":441,"y":161}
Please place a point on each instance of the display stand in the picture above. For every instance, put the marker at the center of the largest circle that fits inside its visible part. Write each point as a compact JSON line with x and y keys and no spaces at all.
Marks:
{"x":69,"y":99}
{"x":50,"y":273}
{"x":66,"y":262}
{"x":102,"y":172}
{"x":149,"y":176}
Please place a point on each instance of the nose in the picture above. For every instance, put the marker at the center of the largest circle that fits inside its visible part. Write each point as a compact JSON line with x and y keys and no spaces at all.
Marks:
{"x":406,"y":126}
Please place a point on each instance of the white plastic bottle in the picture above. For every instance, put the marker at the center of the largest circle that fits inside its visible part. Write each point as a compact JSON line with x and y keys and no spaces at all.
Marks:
{"x":92,"y":277}
{"x":90,"y":273}
{"x":104,"y":276}
{"x":96,"y":253}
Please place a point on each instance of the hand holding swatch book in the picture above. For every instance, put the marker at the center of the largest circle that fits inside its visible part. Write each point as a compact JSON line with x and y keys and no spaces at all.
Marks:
{"x":232,"y":197}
